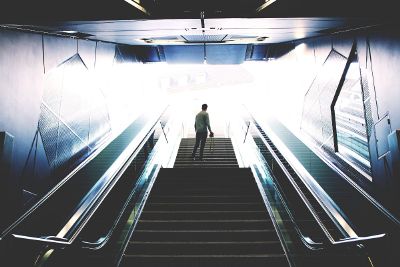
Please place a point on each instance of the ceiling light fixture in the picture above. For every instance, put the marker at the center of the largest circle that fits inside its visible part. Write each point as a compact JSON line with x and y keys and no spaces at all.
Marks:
{"x":263,"y":6}
{"x":136,"y":4}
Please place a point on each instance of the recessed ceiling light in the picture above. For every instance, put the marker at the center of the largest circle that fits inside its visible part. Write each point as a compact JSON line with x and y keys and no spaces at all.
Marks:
{"x":69,"y":32}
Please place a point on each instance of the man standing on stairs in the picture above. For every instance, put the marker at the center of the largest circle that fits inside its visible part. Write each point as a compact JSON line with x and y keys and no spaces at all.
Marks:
{"x":202,"y":123}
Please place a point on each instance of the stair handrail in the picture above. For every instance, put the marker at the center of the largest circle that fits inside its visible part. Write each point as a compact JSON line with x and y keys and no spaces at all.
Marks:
{"x":247,"y":131}
{"x":91,"y":204}
{"x":352,"y":236}
{"x":162,"y":128}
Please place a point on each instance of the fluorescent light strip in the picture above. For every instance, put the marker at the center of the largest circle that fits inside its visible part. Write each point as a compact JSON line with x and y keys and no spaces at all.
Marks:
{"x":135,"y":4}
{"x":267,"y":3}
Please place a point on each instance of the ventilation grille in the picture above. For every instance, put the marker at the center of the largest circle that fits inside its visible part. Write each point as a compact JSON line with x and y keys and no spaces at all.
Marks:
{"x":206,"y":38}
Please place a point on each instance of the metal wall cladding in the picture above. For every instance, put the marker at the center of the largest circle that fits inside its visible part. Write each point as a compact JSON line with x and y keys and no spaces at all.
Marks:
{"x":316,"y":119}
{"x":367,"y":104}
{"x":48,"y":128}
{"x":74,"y":113}
{"x":350,"y":120}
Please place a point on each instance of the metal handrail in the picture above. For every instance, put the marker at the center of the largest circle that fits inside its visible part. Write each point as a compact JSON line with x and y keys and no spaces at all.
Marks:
{"x":247,"y":131}
{"x":102,"y":241}
{"x":352,"y":238}
{"x":162,"y":128}
{"x":307,"y":241}
{"x":74,"y":229}
{"x":54,"y":189}
{"x":324,"y":158}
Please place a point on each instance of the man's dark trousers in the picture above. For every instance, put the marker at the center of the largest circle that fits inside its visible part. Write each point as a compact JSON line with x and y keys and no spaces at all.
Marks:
{"x":201,"y":138}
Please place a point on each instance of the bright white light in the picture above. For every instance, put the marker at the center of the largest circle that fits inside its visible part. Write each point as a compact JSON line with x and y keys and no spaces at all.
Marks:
{"x":273,"y":88}
{"x":69,"y":32}
{"x":301,"y":48}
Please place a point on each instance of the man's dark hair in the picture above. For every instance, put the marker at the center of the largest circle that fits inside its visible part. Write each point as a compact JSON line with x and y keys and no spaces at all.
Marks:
{"x":204,"y":106}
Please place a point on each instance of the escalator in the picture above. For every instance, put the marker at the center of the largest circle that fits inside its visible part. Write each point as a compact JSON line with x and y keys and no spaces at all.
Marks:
{"x":365,"y":217}
{"x":56,"y":219}
{"x":198,"y":215}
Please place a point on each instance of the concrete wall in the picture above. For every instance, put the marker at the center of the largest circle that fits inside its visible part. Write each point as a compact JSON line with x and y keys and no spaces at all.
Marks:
{"x":91,"y":89}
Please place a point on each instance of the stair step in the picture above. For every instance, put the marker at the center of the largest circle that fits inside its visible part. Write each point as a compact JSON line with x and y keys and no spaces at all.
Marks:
{"x":175,"y":207}
{"x":203,"y":191}
{"x":218,"y":153}
{"x":277,"y":260}
{"x":204,"y":224}
{"x":205,"y":235}
{"x":203,"y":217}
{"x":203,"y":198}
{"x":203,"y":248}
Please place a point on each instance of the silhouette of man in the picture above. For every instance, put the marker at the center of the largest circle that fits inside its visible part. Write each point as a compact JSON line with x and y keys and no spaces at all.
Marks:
{"x":202,"y":123}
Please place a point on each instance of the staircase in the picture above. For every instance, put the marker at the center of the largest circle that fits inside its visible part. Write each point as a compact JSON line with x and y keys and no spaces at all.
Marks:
{"x":218,"y":153}
{"x":197,"y":215}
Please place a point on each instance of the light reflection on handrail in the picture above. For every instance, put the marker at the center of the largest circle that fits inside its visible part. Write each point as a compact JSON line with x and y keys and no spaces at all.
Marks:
{"x":60,"y":242}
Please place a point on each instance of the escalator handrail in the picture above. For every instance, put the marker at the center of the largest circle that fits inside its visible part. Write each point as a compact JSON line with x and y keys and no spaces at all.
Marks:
{"x":354,"y":238}
{"x":382,"y":209}
{"x":53,"y":240}
{"x":79,"y":225}
{"x":102,"y":241}
{"x":7,"y":231}
{"x":306,"y":240}
{"x":298,"y":190}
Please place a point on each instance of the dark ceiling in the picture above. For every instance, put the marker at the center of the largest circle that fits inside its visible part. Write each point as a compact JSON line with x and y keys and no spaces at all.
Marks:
{"x":202,"y":29}
{"x":52,"y":10}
